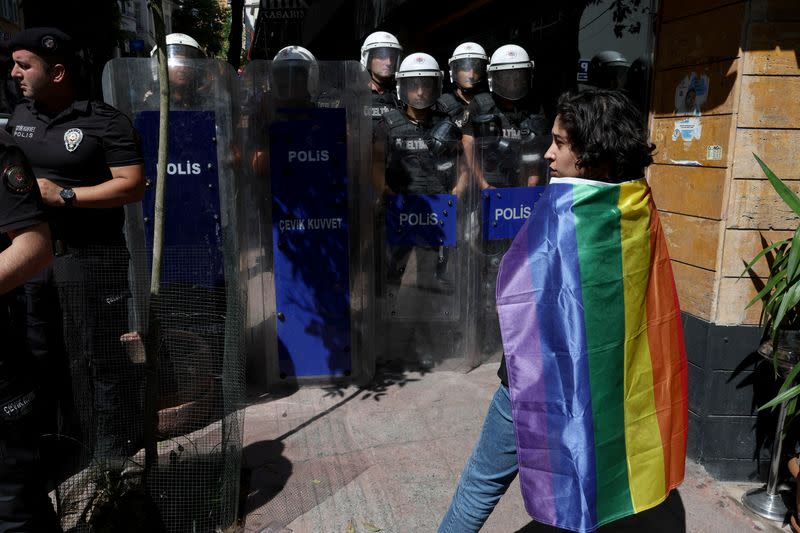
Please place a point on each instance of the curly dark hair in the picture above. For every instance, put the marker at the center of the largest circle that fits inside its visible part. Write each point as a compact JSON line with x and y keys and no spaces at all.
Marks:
{"x":605,"y":130}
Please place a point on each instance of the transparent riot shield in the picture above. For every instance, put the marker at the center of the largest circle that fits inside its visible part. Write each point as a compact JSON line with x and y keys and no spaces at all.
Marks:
{"x":425,"y":267}
{"x":194,"y":327}
{"x":511,"y":170}
{"x":308,"y":146}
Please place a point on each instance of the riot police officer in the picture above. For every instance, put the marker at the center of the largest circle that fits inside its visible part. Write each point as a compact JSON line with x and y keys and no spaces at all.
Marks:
{"x":509,"y":137}
{"x":294,"y":77}
{"x":608,"y":70}
{"x":380,"y":55}
{"x":185,"y":79}
{"x":423,"y":157}
{"x":25,"y":249}
{"x":509,"y":140}
{"x":468,"y":76}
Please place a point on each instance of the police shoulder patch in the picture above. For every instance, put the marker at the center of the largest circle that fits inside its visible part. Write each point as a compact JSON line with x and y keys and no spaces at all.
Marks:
{"x":17,"y":180}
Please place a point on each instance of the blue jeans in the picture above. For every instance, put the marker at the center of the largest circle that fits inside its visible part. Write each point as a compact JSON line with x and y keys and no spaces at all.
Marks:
{"x":489,"y":471}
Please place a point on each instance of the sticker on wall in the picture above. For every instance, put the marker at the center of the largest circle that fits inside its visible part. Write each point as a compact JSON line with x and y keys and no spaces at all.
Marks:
{"x":690,"y":94}
{"x":714,"y":152}
{"x":687,"y":129}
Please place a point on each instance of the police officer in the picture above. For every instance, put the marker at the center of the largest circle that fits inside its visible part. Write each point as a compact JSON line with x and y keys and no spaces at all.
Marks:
{"x":380,"y":55}
{"x":25,"y":249}
{"x":509,"y":137}
{"x":185,"y":79}
{"x":88,"y":163}
{"x":422,"y":158}
{"x":468,"y":76}
{"x":294,"y":78}
{"x":608,"y":70}
{"x":510,"y":140}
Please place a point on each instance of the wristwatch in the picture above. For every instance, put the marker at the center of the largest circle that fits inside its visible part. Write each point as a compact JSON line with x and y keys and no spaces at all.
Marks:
{"x":68,"y":195}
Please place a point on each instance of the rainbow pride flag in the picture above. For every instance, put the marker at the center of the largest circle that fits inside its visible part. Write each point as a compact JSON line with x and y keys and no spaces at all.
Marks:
{"x":596,"y":360}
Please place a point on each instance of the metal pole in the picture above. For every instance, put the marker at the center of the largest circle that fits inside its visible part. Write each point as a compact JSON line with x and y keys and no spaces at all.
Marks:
{"x":767,"y":501}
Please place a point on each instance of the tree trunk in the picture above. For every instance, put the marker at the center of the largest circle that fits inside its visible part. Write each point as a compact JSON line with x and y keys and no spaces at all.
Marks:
{"x":235,"y":35}
{"x":154,"y":314}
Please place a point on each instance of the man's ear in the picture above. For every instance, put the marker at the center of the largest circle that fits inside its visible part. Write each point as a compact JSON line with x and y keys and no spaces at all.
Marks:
{"x":58,"y":73}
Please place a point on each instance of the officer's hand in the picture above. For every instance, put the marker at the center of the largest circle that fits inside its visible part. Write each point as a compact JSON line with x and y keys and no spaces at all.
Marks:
{"x":50,"y":192}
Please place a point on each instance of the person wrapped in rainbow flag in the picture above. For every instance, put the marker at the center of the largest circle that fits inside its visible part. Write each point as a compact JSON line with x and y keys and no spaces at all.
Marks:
{"x":593,"y":408}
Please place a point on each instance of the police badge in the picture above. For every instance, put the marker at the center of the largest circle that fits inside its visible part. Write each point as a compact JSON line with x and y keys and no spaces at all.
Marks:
{"x":17,"y":180}
{"x":72,"y":138}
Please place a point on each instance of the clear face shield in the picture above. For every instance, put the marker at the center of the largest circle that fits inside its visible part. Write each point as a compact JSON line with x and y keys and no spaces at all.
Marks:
{"x":290,"y":80}
{"x":512,"y":84}
{"x":420,"y":92}
{"x":182,"y":64}
{"x":383,"y":62}
{"x":613,"y":77}
{"x":468,"y":73}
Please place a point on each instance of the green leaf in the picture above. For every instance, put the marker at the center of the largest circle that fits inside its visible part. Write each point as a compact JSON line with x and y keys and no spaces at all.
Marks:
{"x":782,"y":397}
{"x":749,"y":266}
{"x":783,"y":191}
{"x":790,"y":378}
{"x":787,"y":303}
{"x":767,"y":288}
{"x":371,"y":527}
{"x":794,"y":257}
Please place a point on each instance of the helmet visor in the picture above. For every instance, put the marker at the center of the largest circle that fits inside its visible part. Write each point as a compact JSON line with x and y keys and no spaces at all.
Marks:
{"x":290,"y":80}
{"x":383,"y":61}
{"x":183,"y":51}
{"x":468,"y":72}
{"x":512,"y":84}
{"x":419,"y":92}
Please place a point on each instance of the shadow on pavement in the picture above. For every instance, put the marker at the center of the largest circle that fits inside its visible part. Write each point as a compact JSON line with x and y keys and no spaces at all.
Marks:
{"x":265,"y":472}
{"x":669,"y":517}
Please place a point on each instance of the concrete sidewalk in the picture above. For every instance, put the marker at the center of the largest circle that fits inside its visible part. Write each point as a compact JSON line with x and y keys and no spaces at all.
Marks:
{"x":387,"y":458}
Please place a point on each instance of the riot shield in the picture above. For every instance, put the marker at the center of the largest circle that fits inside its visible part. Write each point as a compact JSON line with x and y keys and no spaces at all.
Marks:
{"x":195,"y":325}
{"x":514,"y":173}
{"x":425,"y":267}
{"x":308,"y":144}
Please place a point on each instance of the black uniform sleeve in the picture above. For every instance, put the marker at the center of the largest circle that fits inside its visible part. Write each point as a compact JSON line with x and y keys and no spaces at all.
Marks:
{"x":472,"y":110}
{"x":121,"y":142}
{"x":20,"y":200}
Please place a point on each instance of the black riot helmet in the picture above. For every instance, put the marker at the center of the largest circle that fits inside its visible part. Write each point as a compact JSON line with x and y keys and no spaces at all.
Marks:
{"x":608,"y":70}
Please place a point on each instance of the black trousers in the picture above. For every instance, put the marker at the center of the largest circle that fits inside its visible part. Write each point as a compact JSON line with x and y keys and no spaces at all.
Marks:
{"x":24,"y":504}
{"x":77,"y":314}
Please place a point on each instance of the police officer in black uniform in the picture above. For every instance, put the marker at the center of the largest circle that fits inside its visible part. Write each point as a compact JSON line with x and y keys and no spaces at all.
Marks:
{"x":421,"y":145}
{"x":468,"y":76}
{"x":423,"y":151}
{"x":88,"y":164}
{"x":380,"y":55}
{"x":510,"y":140}
{"x":509,"y":137}
{"x":25,"y":249}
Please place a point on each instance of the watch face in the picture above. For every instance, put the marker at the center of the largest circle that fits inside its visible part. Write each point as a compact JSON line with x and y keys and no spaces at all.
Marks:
{"x":67,"y":194}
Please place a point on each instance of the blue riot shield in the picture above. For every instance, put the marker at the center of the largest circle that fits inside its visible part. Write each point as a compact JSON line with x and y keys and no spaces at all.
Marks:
{"x":425,"y":270}
{"x":511,"y":171}
{"x":308,"y":146}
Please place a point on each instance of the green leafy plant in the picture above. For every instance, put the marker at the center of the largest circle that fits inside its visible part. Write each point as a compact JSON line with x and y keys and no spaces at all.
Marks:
{"x":781,"y":292}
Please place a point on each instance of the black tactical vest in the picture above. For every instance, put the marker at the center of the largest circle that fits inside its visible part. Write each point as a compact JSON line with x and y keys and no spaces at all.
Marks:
{"x":381,"y":104}
{"x":453,"y":108}
{"x":411,"y":167}
{"x":523,"y":138}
